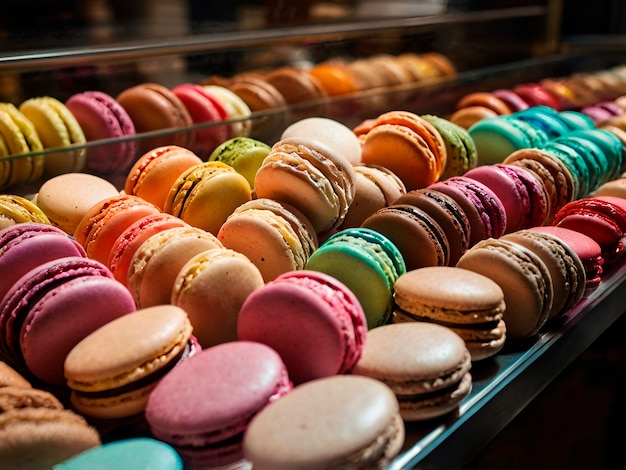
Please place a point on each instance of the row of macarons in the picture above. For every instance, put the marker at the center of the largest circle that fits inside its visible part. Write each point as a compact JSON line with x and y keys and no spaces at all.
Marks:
{"x":595,"y":94}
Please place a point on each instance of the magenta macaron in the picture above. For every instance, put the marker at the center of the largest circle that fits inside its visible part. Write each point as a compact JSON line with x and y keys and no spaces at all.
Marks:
{"x":25,"y":246}
{"x":521,"y":192}
{"x":484,"y":209}
{"x":101,"y":117}
{"x":54,"y":306}
{"x":203,"y":406}
{"x":311,"y":319}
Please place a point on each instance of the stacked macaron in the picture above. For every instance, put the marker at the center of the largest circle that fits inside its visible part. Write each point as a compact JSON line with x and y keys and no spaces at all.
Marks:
{"x":36,"y":429}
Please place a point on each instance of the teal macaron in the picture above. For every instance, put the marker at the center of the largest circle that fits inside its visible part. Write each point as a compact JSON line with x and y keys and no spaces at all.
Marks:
{"x":610,"y":145}
{"x":544,"y":118}
{"x":576,"y":120}
{"x":497,"y":137}
{"x":573,"y":161}
{"x":126,"y":454}
{"x":368,"y":263}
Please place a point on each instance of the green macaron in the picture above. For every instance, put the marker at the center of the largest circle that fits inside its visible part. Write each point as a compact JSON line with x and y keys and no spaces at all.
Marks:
{"x":461,"y":153}
{"x":368,"y":263}
{"x":244,"y":154}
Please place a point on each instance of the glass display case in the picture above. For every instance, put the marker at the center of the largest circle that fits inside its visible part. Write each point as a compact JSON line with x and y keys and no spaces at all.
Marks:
{"x":109,"y":46}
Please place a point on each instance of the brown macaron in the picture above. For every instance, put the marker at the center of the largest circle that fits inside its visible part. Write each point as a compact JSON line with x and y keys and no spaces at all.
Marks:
{"x":523,"y":277}
{"x":470,"y":304}
{"x":9,"y":377}
{"x":566,"y":269}
{"x":425,"y":364}
{"x":420,"y":239}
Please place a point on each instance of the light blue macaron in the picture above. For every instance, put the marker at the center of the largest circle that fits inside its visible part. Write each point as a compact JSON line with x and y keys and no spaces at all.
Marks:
{"x":141,"y":453}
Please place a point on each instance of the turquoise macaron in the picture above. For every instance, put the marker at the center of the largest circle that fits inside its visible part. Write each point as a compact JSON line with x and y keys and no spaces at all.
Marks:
{"x":573,"y":161}
{"x":611,"y":146}
{"x":368,"y":263}
{"x":544,"y":118}
{"x":126,"y":454}
{"x":576,"y":120}
{"x":496,"y":138}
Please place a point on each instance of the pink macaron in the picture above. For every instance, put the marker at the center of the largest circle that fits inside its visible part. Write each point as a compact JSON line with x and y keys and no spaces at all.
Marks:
{"x":102,"y":117}
{"x":204,"y":109}
{"x":203,"y":406}
{"x":53,"y":307}
{"x":26,"y":245}
{"x":313,"y":320}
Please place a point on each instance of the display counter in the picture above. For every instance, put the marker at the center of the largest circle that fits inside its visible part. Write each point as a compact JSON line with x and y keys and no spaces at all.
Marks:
{"x":502,"y":385}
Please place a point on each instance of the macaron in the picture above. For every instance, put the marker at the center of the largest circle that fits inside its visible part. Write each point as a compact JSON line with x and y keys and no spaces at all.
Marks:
{"x":523,"y":277}
{"x":101,"y":117}
{"x":407,"y":144}
{"x":408,"y":227}
{"x":368,"y":263}
{"x":26,"y":245}
{"x":312,"y":177}
{"x":276,"y":237}
{"x":470,"y":115}
{"x":66,"y":198}
{"x":544,"y":118}
{"x":240,"y":377}
{"x":313,"y":426}
{"x":267,"y":105}
{"x":536,"y":95}
{"x":303,"y":93}
{"x":486,"y":100}
{"x":594,"y":164}
{"x":483,"y":208}
{"x":51,"y":297}
{"x":15,"y":209}
{"x":461,"y":154}
{"x":602,"y":218}
{"x":124,"y":247}
{"x":496,"y":138}
{"x":212,"y":287}
{"x":375,"y":187}
{"x":138,"y":452}
{"x":112,"y":371}
{"x":19,"y":136}
{"x":330,"y":132}
{"x":425,"y":364}
{"x":447,"y":213}
{"x":574,"y":163}
{"x":42,"y":437}
{"x":467,"y":302}
{"x":610,"y":158}
{"x":555,"y":169}
{"x":205,"y":109}
{"x":335,"y":78}
{"x":158,"y":260}
{"x":616,"y":188}
{"x":567,"y":272}
{"x":105,"y":221}
{"x":155,"y":108}
{"x":237,"y":110}
{"x":522,"y":194}
{"x":244,"y":154}
{"x":57,"y":127}
{"x":322,"y":336}
{"x":9,"y":377}
{"x":151,"y":177}
{"x":587,"y":250}
{"x":513,"y":101}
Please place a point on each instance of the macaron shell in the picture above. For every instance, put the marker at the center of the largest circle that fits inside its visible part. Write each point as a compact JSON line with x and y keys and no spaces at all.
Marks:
{"x":314,"y":426}
{"x":154,"y":173}
{"x":237,"y":110}
{"x":66,"y":198}
{"x":211,"y":287}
